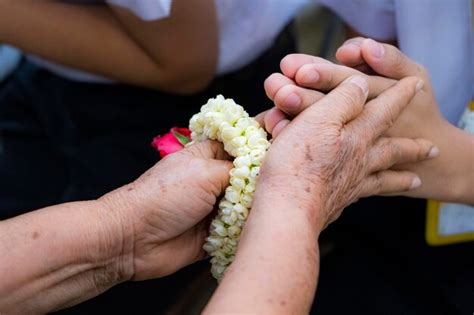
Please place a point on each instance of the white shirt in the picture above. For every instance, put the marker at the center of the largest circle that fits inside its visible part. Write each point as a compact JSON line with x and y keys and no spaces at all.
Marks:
{"x":246,"y":29}
{"x":435,"y":33}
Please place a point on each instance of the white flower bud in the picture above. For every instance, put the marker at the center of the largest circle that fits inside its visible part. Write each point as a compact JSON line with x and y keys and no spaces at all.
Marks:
{"x":241,"y":172}
{"x":218,"y":228}
{"x":232,"y":195}
{"x":246,"y":200}
{"x":242,"y":161}
{"x":233,"y":231}
{"x":239,"y":141}
{"x":238,"y":183}
{"x":254,"y":172}
{"x":242,"y":151}
{"x":249,"y":188}
{"x":229,"y":133}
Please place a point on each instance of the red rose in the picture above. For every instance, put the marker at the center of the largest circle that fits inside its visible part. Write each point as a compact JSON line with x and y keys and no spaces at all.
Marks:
{"x":171,"y":142}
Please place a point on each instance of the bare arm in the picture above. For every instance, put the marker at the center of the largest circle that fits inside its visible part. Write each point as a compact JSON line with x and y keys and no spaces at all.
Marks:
{"x":59,"y":256}
{"x":277,"y":265}
{"x":334,"y":160}
{"x":118,"y":44}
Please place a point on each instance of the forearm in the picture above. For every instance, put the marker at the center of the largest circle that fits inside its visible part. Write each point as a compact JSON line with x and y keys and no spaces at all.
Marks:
{"x":277,"y":263}
{"x":450,"y":176}
{"x":89,"y":38}
{"x":59,"y":256}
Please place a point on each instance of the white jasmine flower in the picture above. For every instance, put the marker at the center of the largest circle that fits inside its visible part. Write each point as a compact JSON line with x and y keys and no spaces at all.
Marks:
{"x":223,"y":120}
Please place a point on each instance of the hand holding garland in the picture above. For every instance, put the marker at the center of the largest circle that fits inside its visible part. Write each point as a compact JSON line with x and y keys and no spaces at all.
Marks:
{"x":327,"y":157}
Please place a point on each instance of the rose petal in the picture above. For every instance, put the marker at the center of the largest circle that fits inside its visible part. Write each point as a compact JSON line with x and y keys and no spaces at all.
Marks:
{"x":166,"y":144}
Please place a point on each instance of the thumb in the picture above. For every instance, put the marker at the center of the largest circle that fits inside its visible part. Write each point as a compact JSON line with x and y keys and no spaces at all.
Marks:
{"x":389,"y":61}
{"x":207,"y":149}
{"x":217,"y":175}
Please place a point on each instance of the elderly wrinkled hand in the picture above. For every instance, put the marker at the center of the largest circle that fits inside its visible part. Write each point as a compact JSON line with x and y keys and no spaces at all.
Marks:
{"x":166,"y":209}
{"x":338,"y":153}
{"x":305,"y":79}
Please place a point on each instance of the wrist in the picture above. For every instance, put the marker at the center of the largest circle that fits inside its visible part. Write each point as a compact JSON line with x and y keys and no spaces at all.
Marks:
{"x":117,"y":234}
{"x":295,"y":197}
{"x":462,"y":190}
{"x":457,"y":159}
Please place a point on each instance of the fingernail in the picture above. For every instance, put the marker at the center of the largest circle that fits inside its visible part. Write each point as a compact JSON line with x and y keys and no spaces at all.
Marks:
{"x":434,"y":152}
{"x":353,"y":41}
{"x":353,"y":46}
{"x":375,"y":48}
{"x":360,"y":82}
{"x":419,"y":85}
{"x":415,"y":183}
{"x":312,"y":76}
{"x":292,"y":101}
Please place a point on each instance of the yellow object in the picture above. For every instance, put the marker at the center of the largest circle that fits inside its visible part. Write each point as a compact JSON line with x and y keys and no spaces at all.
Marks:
{"x":436,"y":229}
{"x":432,"y":235}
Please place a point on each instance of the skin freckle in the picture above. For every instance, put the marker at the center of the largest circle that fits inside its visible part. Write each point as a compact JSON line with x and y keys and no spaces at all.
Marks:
{"x":283,"y":303}
{"x":35,"y":235}
{"x":307,"y":189}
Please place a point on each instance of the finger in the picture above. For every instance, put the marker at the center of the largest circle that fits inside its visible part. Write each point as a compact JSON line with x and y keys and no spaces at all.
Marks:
{"x":206,"y":149}
{"x":391,"y":151}
{"x":185,"y":250}
{"x":389,"y":61}
{"x":273,"y":118}
{"x":260,"y":118}
{"x":291,"y":63}
{"x":380,"y":113}
{"x":279,"y":127}
{"x":325,"y":77}
{"x":342,"y":104}
{"x":217,"y":174}
{"x":274,"y":82}
{"x":293,"y":99}
{"x":389,"y":182}
{"x":350,"y":53}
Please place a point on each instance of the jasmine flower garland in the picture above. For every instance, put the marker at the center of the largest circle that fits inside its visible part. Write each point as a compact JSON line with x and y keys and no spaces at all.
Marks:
{"x":223,"y":120}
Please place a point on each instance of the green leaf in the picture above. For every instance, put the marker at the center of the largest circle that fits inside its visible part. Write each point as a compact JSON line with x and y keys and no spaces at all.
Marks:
{"x":182,"y":139}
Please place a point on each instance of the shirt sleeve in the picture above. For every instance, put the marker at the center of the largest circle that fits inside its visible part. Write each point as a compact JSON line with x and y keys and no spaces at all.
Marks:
{"x":371,"y":18}
{"x":147,"y":10}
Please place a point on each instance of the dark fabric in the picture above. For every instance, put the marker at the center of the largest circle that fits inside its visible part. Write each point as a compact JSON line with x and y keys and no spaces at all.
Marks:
{"x":381,"y":264}
{"x":62,"y":140}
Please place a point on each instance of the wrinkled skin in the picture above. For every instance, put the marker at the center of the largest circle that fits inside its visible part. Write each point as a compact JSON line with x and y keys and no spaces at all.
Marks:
{"x":308,"y":78}
{"x":337,"y":152}
{"x":174,"y":199}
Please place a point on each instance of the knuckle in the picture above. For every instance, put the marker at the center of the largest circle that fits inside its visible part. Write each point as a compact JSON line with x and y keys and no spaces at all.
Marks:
{"x":422,"y":148}
{"x":396,"y":152}
{"x":349,"y":95}
{"x":398,"y":62}
{"x":271,"y":85}
{"x":378,"y":183}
